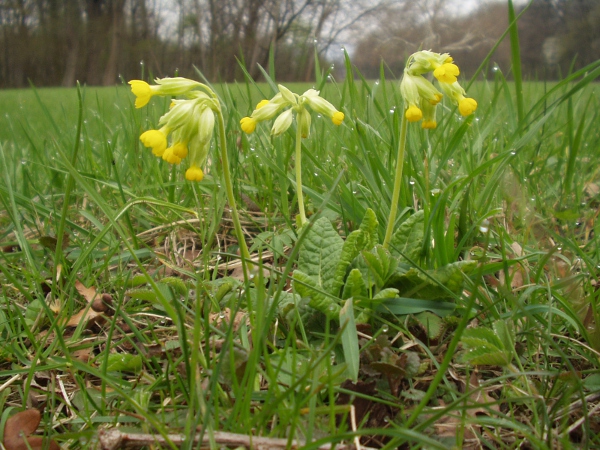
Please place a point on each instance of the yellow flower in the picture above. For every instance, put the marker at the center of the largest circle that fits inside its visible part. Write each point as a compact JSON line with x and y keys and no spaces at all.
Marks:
{"x":175,"y":153}
{"x":142,"y":91}
{"x":467,"y":106}
{"x":413,"y":114}
{"x":337,"y":118}
{"x":194,"y":173}
{"x":155,"y":139}
{"x":261,"y":104}
{"x":446,"y":73}
{"x":248,"y":124}
{"x":428,"y":124}
{"x":436,"y":99}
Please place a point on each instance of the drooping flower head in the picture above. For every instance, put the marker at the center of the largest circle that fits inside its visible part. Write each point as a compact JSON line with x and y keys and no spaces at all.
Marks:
{"x":421,"y":96}
{"x":188,"y":124}
{"x":269,"y":109}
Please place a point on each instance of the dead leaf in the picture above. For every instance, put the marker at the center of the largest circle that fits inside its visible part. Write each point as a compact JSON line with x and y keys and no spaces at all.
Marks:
{"x":20,"y":426}
{"x":88,"y":293}
{"x":480,"y":396}
{"x":221,"y":320}
{"x":592,"y":189}
{"x":92,"y":313}
{"x":83,"y":355}
{"x":88,"y":316}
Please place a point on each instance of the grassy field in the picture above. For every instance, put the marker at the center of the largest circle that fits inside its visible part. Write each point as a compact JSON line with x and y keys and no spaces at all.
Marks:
{"x":124,"y":308}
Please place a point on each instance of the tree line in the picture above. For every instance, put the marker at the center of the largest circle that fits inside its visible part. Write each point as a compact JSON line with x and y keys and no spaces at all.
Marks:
{"x":97,"y":42}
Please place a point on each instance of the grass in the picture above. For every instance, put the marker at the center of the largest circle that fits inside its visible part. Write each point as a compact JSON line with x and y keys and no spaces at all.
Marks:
{"x":187,"y":346}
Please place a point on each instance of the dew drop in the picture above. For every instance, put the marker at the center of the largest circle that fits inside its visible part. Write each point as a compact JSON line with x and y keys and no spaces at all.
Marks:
{"x":385,"y":328}
{"x":485,"y":226}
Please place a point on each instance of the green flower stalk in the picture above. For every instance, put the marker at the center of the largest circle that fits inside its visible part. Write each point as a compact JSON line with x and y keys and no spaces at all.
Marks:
{"x":189,"y":125}
{"x":276,"y":107}
{"x":420,"y":100}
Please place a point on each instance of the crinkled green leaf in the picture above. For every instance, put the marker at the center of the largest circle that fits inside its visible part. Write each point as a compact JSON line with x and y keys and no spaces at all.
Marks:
{"x":432,"y":325}
{"x":177,"y":284}
{"x":350,"y":340}
{"x":486,"y":356}
{"x":364,"y":238}
{"x":482,"y":334}
{"x":434,"y":284}
{"x":320,"y":253}
{"x":308,"y":287}
{"x":506,"y":333}
{"x":400,"y":306}
{"x":381,"y":296}
{"x":412,"y":364}
{"x":149,"y":295}
{"x":381,"y":263}
{"x":351,"y":248}
{"x":34,"y":309}
{"x":355,"y":285}
{"x":123,"y":362}
{"x":369,"y":226}
{"x":407,"y":240}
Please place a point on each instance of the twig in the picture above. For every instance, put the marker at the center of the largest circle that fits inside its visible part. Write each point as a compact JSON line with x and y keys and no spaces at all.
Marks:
{"x":114,"y":439}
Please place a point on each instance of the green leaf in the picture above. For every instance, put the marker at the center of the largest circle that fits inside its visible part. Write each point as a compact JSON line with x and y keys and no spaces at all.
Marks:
{"x":506,"y":333}
{"x":433,"y":284}
{"x":350,"y":340}
{"x":402,"y":306}
{"x":486,"y":356}
{"x":381,"y":265}
{"x":176,"y":284}
{"x":481,"y":334}
{"x":485,"y":346}
{"x":350,"y":250}
{"x":369,"y":226}
{"x":355,"y":285}
{"x":431,"y":324}
{"x":408,"y":238}
{"x":149,"y":295}
{"x":320,"y":253}
{"x":364,"y":238}
{"x":308,"y":287}
{"x":34,"y":309}
{"x":123,"y":362}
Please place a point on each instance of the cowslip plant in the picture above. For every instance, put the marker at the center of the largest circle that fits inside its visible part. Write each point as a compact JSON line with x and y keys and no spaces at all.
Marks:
{"x":276,"y":107}
{"x":190,"y":124}
{"x":420,"y":100}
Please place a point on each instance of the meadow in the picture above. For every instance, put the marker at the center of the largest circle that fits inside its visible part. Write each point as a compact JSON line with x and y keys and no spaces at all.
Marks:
{"x":125,"y":308}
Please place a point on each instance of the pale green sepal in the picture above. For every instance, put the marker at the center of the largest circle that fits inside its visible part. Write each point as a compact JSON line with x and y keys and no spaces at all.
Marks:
{"x":287,"y":95}
{"x":282,"y":123}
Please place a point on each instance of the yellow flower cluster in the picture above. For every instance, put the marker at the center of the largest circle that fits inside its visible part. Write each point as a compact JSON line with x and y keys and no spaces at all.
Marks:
{"x":268,"y":109}
{"x":189,"y":122}
{"x":421,"y":96}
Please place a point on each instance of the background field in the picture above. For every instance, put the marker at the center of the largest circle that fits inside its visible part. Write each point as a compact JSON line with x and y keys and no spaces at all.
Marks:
{"x":517,"y":191}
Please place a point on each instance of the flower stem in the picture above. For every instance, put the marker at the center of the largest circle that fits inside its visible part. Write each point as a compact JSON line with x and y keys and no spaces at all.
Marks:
{"x":397,"y":182}
{"x":299,"y":175}
{"x":245,"y":254}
